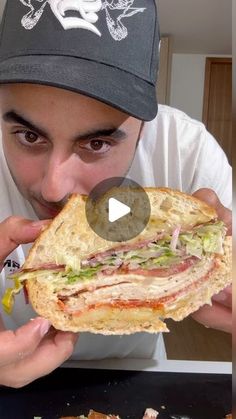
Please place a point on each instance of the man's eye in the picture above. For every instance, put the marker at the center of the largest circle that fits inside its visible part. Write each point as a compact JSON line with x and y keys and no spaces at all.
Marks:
{"x":99,"y":146}
{"x":27,"y":136}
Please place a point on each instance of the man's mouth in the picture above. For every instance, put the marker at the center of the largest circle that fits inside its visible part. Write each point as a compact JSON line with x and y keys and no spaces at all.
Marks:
{"x":47,"y":210}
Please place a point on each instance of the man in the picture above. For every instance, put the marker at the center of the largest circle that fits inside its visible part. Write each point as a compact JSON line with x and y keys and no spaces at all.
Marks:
{"x":76,"y":93}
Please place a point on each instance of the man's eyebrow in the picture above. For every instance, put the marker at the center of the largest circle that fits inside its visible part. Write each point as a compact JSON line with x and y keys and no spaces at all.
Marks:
{"x":115,"y":133}
{"x":13,"y":116}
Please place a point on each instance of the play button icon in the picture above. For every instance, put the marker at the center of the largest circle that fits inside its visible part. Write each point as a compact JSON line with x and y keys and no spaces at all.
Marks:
{"x":118,"y":209}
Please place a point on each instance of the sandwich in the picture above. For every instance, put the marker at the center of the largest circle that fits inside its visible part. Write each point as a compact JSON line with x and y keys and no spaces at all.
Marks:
{"x":82,"y":282}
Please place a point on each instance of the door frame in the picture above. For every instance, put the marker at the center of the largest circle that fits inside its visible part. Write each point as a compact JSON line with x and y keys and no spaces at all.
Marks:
{"x":209,"y":62}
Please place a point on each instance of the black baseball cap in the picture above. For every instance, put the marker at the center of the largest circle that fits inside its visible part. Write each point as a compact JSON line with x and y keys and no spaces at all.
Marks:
{"x":105,"y":49}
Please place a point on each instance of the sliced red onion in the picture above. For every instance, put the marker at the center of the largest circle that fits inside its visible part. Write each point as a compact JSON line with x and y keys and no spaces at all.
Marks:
{"x":174,"y":239}
{"x":117,"y":262}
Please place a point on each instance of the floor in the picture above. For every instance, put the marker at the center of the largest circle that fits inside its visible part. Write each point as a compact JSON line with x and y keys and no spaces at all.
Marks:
{"x":189,"y":340}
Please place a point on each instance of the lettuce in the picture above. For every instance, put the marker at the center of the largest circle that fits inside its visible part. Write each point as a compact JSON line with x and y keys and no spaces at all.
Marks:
{"x":87,"y":273}
{"x":166,"y":260}
{"x":204,"y":239}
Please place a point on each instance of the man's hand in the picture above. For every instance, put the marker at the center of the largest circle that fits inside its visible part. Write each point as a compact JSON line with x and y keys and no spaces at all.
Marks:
{"x":34,"y":349}
{"x":17,"y":230}
{"x":219,"y":315}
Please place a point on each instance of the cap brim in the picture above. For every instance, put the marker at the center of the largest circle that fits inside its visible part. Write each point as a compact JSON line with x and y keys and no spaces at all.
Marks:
{"x":108,"y":84}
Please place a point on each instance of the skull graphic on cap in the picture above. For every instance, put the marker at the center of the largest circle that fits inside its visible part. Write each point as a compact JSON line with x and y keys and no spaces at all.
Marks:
{"x":88,"y":14}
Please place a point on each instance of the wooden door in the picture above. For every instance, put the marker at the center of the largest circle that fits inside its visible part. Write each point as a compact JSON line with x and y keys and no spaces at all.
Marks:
{"x":164,"y":74}
{"x":217,"y":105}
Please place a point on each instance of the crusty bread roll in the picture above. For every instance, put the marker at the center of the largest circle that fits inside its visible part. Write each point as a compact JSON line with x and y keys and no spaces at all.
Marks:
{"x":122,"y":296}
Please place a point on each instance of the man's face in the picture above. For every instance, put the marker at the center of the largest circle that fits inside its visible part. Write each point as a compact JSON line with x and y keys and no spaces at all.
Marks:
{"x":57,"y":142}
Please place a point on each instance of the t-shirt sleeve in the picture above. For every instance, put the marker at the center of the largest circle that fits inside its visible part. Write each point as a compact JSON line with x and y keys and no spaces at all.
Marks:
{"x":212,"y":169}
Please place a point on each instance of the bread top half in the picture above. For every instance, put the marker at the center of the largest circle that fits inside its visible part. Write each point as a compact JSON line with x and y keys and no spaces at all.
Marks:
{"x":69,"y":238}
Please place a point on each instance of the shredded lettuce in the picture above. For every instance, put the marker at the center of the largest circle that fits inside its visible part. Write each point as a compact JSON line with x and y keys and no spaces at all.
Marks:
{"x":73,"y":277}
{"x":167,"y":259}
{"x":204,"y":239}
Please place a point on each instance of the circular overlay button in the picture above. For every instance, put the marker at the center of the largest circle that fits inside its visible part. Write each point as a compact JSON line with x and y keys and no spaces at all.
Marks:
{"x":118,"y":209}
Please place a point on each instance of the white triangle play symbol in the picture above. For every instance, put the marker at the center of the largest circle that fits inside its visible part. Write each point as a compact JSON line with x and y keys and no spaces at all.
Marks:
{"x":117,"y":210}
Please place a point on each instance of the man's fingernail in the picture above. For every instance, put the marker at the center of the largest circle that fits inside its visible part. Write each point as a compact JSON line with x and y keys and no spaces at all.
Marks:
{"x":220,"y":298}
{"x":44,"y":327}
{"x":39,"y":224}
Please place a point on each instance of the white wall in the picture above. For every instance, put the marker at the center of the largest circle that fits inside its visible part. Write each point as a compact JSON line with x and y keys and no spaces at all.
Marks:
{"x":187,"y":83}
{"x":2,"y":4}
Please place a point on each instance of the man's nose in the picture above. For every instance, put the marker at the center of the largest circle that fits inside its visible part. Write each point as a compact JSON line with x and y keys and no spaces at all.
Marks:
{"x":59,"y":179}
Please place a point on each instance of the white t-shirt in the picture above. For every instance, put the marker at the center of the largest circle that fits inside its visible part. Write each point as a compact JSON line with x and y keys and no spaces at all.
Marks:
{"x":174,"y":151}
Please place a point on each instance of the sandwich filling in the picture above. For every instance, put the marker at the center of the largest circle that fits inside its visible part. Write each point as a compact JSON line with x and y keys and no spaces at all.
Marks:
{"x":131,"y":274}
